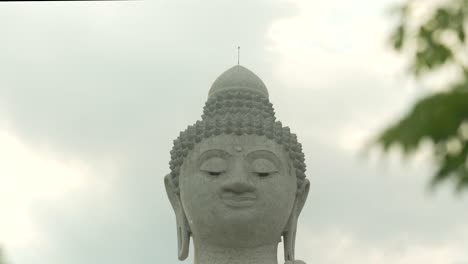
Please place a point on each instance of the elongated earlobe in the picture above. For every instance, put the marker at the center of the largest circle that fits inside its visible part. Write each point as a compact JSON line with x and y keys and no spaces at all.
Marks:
{"x":183,"y":237}
{"x":183,"y":228}
{"x":289,"y":238}
{"x":289,"y":233}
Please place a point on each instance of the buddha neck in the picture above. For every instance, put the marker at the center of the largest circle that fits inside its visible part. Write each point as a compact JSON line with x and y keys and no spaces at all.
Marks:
{"x":209,"y":254}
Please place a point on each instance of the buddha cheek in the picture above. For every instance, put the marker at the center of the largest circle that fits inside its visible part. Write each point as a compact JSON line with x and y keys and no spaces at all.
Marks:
{"x":198,"y":198}
{"x":279,"y":196}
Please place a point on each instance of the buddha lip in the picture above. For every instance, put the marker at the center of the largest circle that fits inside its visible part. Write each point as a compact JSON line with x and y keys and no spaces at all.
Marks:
{"x":239,"y":200}
{"x":239,"y":197}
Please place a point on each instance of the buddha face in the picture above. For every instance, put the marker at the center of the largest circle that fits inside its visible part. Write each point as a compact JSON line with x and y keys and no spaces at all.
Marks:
{"x":237,"y":191}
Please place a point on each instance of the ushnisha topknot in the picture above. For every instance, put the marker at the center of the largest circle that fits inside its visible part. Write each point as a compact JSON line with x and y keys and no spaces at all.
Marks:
{"x":237,"y":104}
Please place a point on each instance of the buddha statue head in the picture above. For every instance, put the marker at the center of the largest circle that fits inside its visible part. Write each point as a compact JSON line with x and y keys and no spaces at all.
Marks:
{"x":237,"y":182}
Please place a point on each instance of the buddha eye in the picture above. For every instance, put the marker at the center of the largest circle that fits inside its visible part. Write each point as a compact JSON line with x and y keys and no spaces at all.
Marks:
{"x":214,"y":166}
{"x":263,"y":167}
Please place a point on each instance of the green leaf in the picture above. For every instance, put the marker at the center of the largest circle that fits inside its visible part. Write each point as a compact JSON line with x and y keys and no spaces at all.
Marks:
{"x":432,"y":56}
{"x":398,"y":37}
{"x":461,"y":33}
{"x":437,"y":118}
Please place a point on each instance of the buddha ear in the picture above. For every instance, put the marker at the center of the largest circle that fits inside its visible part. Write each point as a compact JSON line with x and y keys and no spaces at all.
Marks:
{"x":172,"y":193}
{"x":289,"y":233}
{"x":183,"y":229}
{"x":301,"y":196}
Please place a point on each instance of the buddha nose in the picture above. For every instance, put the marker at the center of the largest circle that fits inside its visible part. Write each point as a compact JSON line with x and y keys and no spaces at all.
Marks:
{"x":238,"y":180}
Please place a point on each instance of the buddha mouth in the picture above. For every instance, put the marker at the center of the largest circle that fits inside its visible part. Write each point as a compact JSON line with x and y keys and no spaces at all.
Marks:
{"x":238,"y":200}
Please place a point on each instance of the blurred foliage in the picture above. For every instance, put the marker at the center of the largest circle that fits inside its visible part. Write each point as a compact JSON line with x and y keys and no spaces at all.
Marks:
{"x":442,"y":118}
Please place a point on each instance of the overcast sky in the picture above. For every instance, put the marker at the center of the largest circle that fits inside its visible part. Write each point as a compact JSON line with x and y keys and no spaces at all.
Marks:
{"x":93,"y":93}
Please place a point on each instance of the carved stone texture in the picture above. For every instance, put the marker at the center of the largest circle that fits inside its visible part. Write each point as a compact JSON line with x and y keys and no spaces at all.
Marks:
{"x":237,"y":182}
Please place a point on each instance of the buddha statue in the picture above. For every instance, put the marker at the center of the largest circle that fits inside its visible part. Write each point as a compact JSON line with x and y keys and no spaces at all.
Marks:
{"x":237,"y":182}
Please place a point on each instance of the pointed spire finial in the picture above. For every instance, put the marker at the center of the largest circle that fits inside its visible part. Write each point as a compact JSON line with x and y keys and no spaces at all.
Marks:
{"x":238,"y":55}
